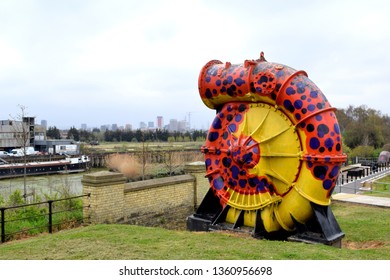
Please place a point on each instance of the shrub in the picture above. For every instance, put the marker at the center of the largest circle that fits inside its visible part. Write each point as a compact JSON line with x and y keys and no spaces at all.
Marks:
{"x":363,"y":151}
{"x":16,"y":198}
{"x":126,"y":164}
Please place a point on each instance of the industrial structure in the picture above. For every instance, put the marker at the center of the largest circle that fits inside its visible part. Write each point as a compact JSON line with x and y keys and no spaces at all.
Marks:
{"x":15,"y":134}
{"x":273,"y":153}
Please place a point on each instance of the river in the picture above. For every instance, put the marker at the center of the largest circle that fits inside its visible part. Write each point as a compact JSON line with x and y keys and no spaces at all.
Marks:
{"x":50,"y":185}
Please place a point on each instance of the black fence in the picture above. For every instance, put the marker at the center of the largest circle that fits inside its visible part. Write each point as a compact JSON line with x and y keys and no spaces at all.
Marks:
{"x":34,"y":218}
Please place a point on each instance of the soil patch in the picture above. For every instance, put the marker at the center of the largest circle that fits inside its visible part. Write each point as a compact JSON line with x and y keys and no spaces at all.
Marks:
{"x":362,"y":245}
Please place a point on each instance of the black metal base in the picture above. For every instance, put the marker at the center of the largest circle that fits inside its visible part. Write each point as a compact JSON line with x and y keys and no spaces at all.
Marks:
{"x":322,"y":228}
{"x":195,"y":223}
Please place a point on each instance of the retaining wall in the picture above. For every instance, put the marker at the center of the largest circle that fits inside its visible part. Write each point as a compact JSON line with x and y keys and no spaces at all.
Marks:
{"x":112,"y":200}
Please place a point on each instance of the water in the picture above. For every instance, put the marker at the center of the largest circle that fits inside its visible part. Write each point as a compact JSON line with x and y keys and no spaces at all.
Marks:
{"x":45,"y":185}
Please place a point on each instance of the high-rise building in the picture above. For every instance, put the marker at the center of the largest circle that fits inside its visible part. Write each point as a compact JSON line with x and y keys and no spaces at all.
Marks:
{"x":104,"y":127}
{"x":173,"y":125}
{"x":142,"y":125}
{"x":44,"y":124}
{"x":182,"y":126}
{"x":160,"y":122}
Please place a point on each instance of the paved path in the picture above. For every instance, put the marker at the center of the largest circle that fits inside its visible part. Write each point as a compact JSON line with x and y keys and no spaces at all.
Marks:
{"x":362,"y":199}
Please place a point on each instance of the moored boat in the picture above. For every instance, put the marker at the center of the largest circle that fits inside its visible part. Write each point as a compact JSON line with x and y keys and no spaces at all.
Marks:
{"x":67,"y":165}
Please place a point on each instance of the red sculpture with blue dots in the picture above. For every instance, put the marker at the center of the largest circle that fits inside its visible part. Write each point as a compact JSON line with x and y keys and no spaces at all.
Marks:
{"x":273,"y":153}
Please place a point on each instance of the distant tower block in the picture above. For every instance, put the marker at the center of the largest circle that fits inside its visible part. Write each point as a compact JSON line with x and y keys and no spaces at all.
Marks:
{"x":160,"y":122}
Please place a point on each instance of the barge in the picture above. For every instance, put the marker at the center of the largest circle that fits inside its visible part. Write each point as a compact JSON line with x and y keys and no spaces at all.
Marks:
{"x":67,"y":165}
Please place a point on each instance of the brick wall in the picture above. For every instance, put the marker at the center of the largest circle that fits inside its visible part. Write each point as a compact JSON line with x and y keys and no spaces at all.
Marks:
{"x":114,"y":201}
{"x":106,"y":198}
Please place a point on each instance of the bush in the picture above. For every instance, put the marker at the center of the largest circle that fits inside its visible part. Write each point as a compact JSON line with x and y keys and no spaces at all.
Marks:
{"x":363,"y":151}
{"x":32,"y":219}
{"x":16,"y":198}
{"x":2,"y":202}
{"x":126,"y":164}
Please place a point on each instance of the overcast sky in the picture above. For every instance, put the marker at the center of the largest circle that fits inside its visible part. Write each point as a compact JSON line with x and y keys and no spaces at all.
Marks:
{"x":121,"y":61}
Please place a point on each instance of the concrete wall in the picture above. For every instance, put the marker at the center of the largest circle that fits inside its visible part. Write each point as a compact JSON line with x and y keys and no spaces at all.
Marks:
{"x":112,"y":200}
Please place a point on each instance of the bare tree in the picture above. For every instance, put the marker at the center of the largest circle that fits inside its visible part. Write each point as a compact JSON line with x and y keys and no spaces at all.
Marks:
{"x":21,"y":127}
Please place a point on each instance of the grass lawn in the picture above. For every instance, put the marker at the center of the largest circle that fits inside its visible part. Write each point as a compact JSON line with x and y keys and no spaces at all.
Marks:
{"x":380,"y":187}
{"x":366,"y":228}
{"x":148,"y":146}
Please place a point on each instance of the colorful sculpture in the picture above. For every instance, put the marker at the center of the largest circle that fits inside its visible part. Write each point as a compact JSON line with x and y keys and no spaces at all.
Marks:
{"x":273,"y":152}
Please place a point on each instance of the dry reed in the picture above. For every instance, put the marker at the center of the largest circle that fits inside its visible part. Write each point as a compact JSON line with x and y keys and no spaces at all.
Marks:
{"x":126,"y":164}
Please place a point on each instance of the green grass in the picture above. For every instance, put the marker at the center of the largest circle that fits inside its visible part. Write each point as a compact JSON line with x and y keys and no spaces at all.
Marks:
{"x":148,"y":146}
{"x":380,"y":187}
{"x":367,"y":237}
{"x":30,"y":220}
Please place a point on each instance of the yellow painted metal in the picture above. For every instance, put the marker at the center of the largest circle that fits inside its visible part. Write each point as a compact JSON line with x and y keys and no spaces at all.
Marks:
{"x":232,"y":215}
{"x":249,"y":216}
{"x":281,"y":163}
{"x":293,"y":205}
{"x":280,"y":153}
{"x":269,"y":219}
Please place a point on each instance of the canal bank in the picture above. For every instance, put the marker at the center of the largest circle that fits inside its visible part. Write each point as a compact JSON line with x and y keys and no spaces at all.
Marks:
{"x":45,"y":185}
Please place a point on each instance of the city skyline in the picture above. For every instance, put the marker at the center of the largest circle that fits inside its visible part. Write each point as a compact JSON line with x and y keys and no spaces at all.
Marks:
{"x":171,"y":125}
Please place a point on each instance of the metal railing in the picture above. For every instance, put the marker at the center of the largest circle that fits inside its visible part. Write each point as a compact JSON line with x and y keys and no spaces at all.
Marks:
{"x":29,"y":219}
{"x":358,"y":183}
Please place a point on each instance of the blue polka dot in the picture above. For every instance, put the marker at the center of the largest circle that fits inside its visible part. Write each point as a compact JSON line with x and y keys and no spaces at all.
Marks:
{"x":232,"y":127}
{"x":327,"y":184}
{"x":288,"y":105}
{"x":260,"y":186}
{"x":329,"y":143}
{"x":242,"y":183}
{"x":336,"y":128}
{"x":218,"y":183}
{"x":300,"y":87}
{"x":322,"y":130}
{"x":314,"y":94}
{"x":263,"y":79}
{"x":239,"y":81}
{"x":235,"y":170}
{"x":298,"y":104}
{"x":334,"y":172}
{"x":314,"y":143}
{"x":217,"y":123}
{"x":280,"y":74}
{"x":290,"y":91}
{"x":213,"y":136}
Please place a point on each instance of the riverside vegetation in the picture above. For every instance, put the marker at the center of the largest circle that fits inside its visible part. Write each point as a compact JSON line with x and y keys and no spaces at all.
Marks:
{"x":26,"y":220}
